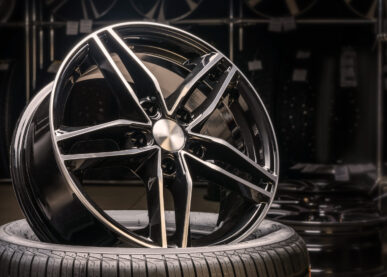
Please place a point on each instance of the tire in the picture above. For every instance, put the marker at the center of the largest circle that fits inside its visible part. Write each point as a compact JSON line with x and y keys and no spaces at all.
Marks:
{"x":272,"y":250}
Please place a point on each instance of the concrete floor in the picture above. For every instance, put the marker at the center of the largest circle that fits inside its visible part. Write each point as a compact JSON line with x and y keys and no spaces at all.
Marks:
{"x":109,"y":197}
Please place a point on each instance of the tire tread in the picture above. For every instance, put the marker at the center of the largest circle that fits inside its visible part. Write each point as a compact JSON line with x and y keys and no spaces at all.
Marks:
{"x":288,"y":257}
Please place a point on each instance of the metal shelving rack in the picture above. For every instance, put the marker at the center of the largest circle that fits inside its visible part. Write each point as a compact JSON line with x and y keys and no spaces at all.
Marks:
{"x":381,"y":38}
{"x":32,"y":25}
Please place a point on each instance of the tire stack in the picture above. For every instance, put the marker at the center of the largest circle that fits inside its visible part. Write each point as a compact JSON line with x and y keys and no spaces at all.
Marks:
{"x":340,"y":224}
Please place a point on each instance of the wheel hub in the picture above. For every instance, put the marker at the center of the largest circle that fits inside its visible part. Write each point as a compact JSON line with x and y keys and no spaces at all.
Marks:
{"x":169,"y":135}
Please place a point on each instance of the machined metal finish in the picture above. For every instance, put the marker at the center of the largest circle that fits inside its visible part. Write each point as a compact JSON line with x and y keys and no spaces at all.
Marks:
{"x":182,"y":113}
{"x":168,"y":135}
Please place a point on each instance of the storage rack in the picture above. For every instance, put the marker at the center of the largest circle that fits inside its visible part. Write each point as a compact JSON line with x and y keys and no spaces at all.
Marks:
{"x":32,"y":24}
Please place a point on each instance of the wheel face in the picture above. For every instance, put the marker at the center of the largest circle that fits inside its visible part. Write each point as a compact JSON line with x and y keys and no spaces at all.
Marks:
{"x":280,"y":8}
{"x":180,"y":113}
{"x":163,"y":10}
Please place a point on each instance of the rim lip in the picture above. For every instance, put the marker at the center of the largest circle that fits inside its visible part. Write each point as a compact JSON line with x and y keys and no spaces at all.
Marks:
{"x":27,"y":201}
{"x":89,"y":206}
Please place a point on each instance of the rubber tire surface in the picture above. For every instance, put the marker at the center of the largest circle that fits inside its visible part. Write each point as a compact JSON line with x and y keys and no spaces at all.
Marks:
{"x":272,"y":250}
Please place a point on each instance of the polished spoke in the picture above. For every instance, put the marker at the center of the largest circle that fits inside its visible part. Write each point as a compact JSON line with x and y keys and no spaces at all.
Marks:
{"x":181,"y":191}
{"x":211,"y":102}
{"x":220,"y":176}
{"x":147,"y":86}
{"x":152,"y":174}
{"x":186,"y":87}
{"x":126,"y":98}
{"x":110,"y":154}
{"x":219,"y":149}
{"x":64,"y":133}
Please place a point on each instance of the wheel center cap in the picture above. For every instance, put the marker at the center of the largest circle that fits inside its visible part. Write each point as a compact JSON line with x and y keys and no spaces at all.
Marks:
{"x":169,"y":135}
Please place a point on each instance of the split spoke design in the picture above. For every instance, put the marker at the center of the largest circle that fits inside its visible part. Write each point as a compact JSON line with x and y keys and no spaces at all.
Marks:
{"x":86,"y":156}
{"x":159,"y":139}
{"x":68,"y":133}
{"x":181,"y":191}
{"x":127,"y":99}
{"x":184,"y":90}
{"x":219,"y":149}
{"x":229,"y":180}
{"x":81,"y":161}
{"x":209,"y":105}
{"x":147,"y":86}
{"x":152,"y":175}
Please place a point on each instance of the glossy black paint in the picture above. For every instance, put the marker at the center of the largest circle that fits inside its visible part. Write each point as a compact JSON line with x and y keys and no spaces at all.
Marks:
{"x":51,"y":208}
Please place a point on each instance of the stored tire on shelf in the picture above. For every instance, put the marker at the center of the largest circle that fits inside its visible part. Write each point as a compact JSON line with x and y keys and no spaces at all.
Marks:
{"x":271,"y":250}
{"x":228,"y":109}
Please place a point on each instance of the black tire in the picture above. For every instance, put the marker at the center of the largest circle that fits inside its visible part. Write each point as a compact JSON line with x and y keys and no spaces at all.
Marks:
{"x":272,"y":250}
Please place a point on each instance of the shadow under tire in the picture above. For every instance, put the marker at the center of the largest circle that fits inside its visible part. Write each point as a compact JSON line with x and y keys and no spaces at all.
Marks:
{"x":272,"y":250}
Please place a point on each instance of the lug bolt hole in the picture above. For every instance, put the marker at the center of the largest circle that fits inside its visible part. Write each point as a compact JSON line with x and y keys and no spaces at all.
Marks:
{"x":168,"y":165}
{"x":197,"y":149}
{"x":151,"y":109}
{"x":138,"y":139}
{"x":183,"y":116}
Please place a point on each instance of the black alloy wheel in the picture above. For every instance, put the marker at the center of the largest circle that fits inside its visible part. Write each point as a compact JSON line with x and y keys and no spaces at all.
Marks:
{"x":183,"y":113}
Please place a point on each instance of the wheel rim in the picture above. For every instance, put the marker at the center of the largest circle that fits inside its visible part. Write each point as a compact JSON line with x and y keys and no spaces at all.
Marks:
{"x":80,"y":9}
{"x":252,"y":176}
{"x":162,"y":10}
{"x":364,"y":9}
